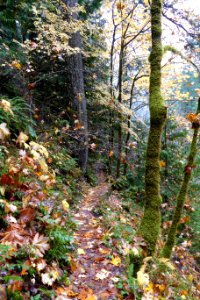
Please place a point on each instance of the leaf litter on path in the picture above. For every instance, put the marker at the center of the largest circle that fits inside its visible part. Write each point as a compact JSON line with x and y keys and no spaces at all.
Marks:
{"x":95,"y":268}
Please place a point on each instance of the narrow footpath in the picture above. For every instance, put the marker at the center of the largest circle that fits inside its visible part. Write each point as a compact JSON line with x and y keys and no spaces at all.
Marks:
{"x":94,"y":266}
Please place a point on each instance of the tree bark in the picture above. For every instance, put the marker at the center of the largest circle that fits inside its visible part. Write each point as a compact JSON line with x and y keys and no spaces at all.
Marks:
{"x":150,"y":224}
{"x":167,"y":250}
{"x":77,"y":91}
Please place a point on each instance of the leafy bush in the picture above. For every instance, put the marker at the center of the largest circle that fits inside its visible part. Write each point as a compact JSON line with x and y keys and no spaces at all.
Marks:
{"x":19,"y":118}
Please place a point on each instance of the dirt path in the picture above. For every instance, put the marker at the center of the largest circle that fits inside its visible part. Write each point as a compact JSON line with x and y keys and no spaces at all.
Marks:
{"x":95,"y":267}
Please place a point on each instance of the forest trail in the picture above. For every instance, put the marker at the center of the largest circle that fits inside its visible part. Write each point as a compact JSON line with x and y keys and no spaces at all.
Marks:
{"x":95,"y":267}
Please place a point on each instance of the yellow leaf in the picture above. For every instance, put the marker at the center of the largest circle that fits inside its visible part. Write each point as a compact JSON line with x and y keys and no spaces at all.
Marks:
{"x":161,"y":287}
{"x":15,"y":64}
{"x":5,"y":105}
{"x":110,"y":154}
{"x":2,"y":190}
{"x":149,"y":287}
{"x":116,"y":260}
{"x":43,"y":165}
{"x":65,"y":205}
{"x":146,"y":2}
{"x":142,"y":279}
{"x":22,"y":139}
{"x":80,"y":251}
{"x":167,"y":262}
{"x":162,"y":163}
{"x":190,"y":277}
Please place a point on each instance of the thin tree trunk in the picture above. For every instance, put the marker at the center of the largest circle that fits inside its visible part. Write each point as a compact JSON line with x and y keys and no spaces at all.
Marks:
{"x":120,"y":87}
{"x":129,"y":124}
{"x":150,"y":224}
{"x":77,"y":91}
{"x":111,"y":116}
{"x":167,"y":250}
{"x":120,"y":84}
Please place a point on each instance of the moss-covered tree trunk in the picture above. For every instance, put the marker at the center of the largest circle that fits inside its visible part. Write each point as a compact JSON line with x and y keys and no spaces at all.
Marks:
{"x":150,"y":225}
{"x":167,"y":250}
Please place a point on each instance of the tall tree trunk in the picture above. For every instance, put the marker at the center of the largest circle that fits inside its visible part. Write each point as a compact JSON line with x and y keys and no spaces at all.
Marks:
{"x":75,"y":68}
{"x":150,"y":224}
{"x":120,"y":87}
{"x":111,"y":115}
{"x":167,"y":250}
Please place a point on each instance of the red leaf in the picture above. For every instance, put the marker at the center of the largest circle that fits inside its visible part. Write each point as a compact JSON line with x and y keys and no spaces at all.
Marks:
{"x":26,"y":215}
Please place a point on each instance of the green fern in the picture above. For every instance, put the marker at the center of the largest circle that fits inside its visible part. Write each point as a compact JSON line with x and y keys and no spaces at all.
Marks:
{"x":21,"y":119}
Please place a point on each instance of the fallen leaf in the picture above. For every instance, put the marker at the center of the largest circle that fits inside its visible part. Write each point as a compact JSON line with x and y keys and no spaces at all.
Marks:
{"x":80,"y":251}
{"x":167,"y":262}
{"x":40,"y":244}
{"x":142,"y":279}
{"x":22,"y":139}
{"x":102,"y":274}
{"x":4,"y":131}
{"x":65,"y":205}
{"x":5,"y":105}
{"x":116,"y":260}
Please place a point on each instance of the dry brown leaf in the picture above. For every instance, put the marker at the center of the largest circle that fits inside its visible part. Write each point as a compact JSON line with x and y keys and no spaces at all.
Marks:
{"x":22,"y":139}
{"x":40,"y":244}
{"x":14,"y":235}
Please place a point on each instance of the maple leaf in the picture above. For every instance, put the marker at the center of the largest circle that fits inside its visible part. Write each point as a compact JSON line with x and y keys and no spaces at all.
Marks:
{"x":47,"y":279}
{"x":14,"y":235}
{"x":80,"y":251}
{"x":26,"y":215}
{"x":8,"y":207}
{"x":142,"y":279}
{"x":41,"y":264}
{"x":190,"y":117}
{"x":43,"y":165}
{"x":167,"y":262}
{"x":162,"y":163}
{"x":39,"y":148}
{"x":15,"y":64}
{"x":5,"y":105}
{"x":102,"y":274}
{"x":31,"y":85}
{"x":120,"y":6}
{"x":40,"y":244}
{"x":77,"y":125}
{"x":116,"y":260}
{"x":10,"y":219}
{"x":51,"y":275}
{"x":93,"y":146}
{"x":4,"y":131}
{"x":65,"y":205}
{"x":110,"y":154}
{"x":22,"y":139}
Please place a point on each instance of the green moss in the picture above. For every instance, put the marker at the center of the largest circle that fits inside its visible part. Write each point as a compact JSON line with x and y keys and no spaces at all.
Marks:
{"x":167,"y":250}
{"x":150,"y":225}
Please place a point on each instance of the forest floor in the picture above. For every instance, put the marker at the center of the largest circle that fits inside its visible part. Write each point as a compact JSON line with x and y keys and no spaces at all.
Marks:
{"x":99,"y":268}
{"x":95,"y":267}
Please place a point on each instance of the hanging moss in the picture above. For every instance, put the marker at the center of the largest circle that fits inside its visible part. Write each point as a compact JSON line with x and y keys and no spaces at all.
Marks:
{"x":167,"y":250}
{"x":150,"y":225}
